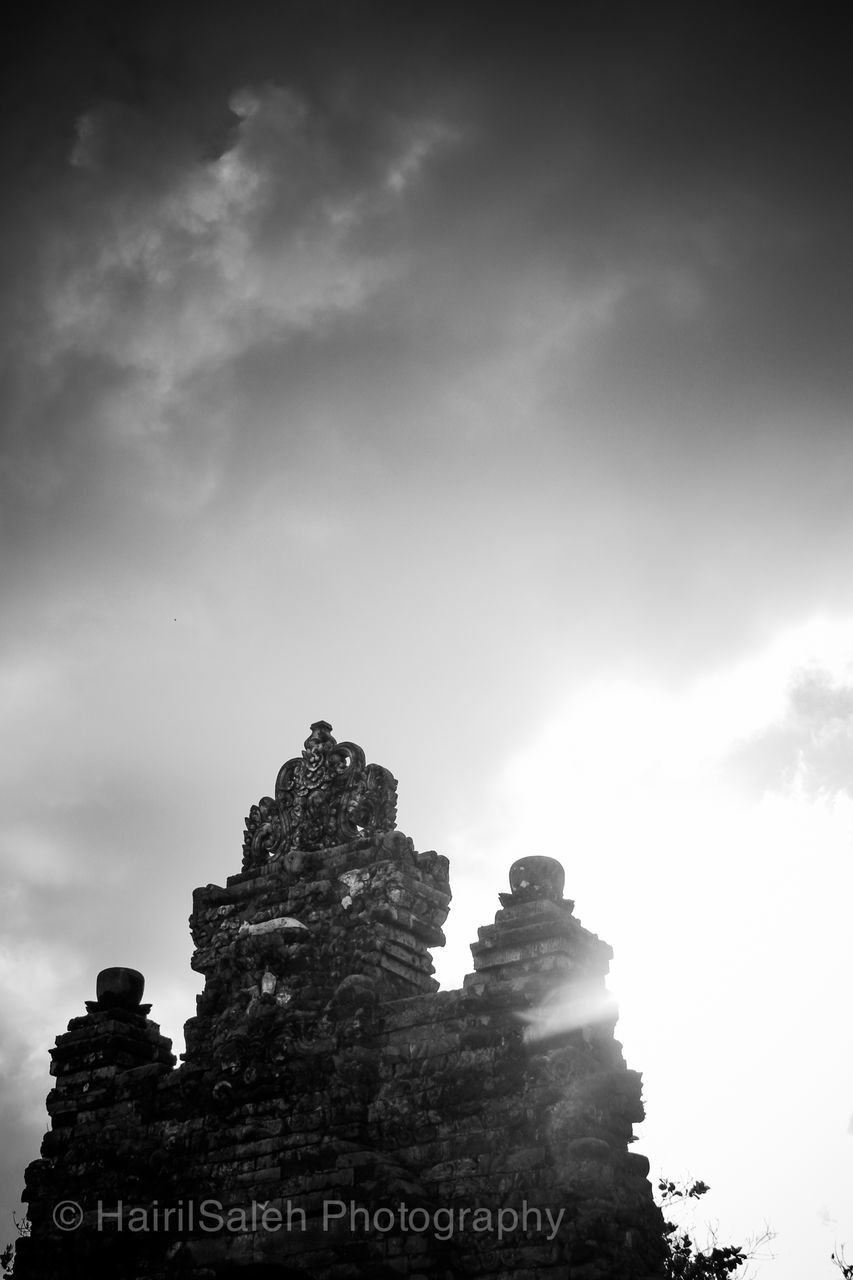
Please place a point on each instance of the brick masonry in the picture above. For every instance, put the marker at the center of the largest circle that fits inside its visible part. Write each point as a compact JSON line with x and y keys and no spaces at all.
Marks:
{"x":335,"y":1114}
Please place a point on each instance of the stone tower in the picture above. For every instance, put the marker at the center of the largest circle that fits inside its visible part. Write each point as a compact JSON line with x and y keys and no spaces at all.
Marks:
{"x":335,"y":1114}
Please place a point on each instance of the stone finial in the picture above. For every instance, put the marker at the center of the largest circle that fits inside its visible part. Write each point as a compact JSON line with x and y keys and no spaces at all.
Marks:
{"x":325,"y":797}
{"x":119,"y":988}
{"x":532,"y":879}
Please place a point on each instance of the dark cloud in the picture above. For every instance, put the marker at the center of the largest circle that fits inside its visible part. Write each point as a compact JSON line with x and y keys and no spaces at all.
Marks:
{"x":309,"y":243}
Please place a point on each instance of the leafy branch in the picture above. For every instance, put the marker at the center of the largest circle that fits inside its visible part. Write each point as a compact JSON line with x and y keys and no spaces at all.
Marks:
{"x":685,"y":1259}
{"x":7,"y":1255}
{"x":846,"y":1268}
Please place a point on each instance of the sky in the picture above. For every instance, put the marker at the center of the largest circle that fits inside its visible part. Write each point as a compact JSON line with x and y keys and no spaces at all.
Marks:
{"x":477,"y":379}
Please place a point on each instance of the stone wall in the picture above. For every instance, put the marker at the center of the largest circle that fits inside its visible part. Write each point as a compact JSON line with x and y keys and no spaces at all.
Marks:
{"x":335,"y":1115}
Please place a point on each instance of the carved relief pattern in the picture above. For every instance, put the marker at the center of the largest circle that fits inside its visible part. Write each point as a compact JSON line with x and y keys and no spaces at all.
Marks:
{"x":325,"y":797}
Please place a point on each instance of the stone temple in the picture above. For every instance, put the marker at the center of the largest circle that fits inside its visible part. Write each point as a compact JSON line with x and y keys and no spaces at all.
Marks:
{"x":335,"y":1114}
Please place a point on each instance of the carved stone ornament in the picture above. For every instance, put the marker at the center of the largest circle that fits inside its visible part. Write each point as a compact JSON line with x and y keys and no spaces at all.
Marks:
{"x":325,"y":797}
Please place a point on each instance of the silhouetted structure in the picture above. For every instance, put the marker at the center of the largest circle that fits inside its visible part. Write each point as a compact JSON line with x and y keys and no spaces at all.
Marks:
{"x":335,"y":1114}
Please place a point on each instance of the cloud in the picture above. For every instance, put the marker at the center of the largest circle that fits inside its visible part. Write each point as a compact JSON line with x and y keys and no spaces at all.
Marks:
{"x":169,"y":267}
{"x":809,"y":749}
